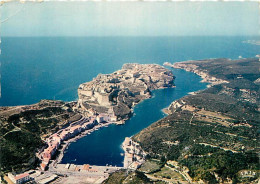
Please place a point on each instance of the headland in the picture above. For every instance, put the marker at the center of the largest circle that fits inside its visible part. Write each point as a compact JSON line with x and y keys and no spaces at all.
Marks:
{"x":114,"y":95}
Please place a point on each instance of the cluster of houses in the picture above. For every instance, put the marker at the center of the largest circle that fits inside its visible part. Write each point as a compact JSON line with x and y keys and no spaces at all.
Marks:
{"x":104,"y":117}
{"x":56,"y":139}
{"x":74,"y":129}
{"x":249,"y":173}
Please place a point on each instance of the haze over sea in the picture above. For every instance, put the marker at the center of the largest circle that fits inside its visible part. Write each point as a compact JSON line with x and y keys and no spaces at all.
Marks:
{"x":35,"y":68}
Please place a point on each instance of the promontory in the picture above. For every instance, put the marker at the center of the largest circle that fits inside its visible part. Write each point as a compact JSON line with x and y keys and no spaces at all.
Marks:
{"x":116,"y":93}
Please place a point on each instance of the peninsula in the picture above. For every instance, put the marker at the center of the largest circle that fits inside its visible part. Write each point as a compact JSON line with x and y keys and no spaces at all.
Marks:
{"x":114,"y":95}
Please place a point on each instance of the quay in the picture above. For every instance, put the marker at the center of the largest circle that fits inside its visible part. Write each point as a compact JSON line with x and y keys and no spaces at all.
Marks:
{"x":86,"y":169}
{"x":71,"y":173}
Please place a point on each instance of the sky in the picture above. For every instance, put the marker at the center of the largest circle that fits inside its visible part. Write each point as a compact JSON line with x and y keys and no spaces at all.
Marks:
{"x":130,"y":19}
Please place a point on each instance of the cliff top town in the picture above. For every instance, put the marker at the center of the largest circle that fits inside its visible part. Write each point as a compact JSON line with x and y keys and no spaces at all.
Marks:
{"x":115,"y":94}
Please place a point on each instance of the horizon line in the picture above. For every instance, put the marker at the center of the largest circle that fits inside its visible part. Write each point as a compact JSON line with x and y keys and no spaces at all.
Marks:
{"x":49,"y":36}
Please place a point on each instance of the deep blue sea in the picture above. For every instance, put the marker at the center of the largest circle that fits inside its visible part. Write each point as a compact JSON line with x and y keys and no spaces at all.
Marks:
{"x":53,"y":67}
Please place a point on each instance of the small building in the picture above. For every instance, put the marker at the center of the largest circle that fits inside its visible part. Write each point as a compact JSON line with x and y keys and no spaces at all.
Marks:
{"x":43,"y":166}
{"x":113,"y":118}
{"x":100,"y":119}
{"x":67,"y":166}
{"x":85,"y":167}
{"x":75,"y":130}
{"x":135,"y":74}
{"x":46,"y":160}
{"x":135,"y":165}
{"x":11,"y":177}
{"x":19,"y":179}
{"x":65,"y":135}
{"x":128,"y":141}
{"x":49,"y":152}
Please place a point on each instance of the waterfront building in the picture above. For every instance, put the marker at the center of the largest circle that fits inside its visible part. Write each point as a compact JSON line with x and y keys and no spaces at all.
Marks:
{"x":127,"y":141}
{"x":65,"y":134}
{"x":92,"y":120}
{"x":100,"y":119}
{"x":75,"y":130}
{"x":104,"y":117}
{"x":54,"y":141}
{"x":113,"y":118}
{"x":48,"y":152}
{"x":19,"y":179}
{"x":87,"y":167}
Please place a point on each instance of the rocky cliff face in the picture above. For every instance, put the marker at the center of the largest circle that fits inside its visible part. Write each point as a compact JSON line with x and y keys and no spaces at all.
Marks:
{"x":116,"y":93}
{"x":203,"y":73}
{"x":236,"y":78}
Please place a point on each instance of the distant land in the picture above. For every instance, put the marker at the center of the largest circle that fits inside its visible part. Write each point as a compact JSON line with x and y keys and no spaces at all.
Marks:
{"x":210,"y":136}
{"x":254,"y":42}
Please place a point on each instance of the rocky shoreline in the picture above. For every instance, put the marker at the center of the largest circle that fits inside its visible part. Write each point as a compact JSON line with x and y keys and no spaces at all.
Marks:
{"x":187,"y":66}
{"x":190,"y":66}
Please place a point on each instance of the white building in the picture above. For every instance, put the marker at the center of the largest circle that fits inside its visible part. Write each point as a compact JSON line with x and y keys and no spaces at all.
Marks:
{"x":19,"y":179}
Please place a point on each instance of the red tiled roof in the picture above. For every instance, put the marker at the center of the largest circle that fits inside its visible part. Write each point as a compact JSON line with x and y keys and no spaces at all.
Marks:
{"x":20,"y":176}
{"x":43,"y":166}
{"x":85,"y":167}
{"x":49,"y":149}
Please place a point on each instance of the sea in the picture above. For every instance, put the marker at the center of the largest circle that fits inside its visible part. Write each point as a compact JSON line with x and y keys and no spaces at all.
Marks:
{"x":35,"y":68}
